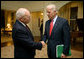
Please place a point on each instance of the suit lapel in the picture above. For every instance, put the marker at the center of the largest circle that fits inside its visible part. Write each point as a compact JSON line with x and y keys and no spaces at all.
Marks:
{"x":55,"y":25}
{"x":20,"y":24}
{"x":28,"y":30}
{"x":48,"y":27}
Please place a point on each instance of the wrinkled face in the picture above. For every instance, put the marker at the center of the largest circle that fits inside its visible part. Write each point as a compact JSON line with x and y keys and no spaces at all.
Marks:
{"x":26,"y":18}
{"x":50,"y":13}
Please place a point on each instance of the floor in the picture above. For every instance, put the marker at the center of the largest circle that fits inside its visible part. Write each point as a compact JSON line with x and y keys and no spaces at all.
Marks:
{"x":7,"y":48}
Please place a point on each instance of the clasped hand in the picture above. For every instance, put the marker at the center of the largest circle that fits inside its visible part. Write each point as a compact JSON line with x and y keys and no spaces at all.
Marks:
{"x":43,"y":44}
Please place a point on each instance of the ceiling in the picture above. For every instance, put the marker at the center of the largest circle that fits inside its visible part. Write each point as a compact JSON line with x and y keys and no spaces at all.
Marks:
{"x":31,"y":5}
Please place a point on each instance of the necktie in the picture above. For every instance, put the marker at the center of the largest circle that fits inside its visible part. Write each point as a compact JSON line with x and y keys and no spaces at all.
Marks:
{"x":29,"y":31}
{"x":51,"y":27}
{"x":28,"y":28}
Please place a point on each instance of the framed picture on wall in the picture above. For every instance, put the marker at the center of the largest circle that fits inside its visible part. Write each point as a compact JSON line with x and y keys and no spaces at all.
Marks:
{"x":74,"y":12}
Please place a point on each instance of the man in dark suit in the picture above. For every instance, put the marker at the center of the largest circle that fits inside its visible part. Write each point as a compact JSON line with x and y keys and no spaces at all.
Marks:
{"x":57,"y":32}
{"x":24,"y":45}
{"x":41,"y":30}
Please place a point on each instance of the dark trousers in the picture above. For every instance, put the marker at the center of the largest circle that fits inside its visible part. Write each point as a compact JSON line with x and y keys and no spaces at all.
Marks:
{"x":50,"y":54}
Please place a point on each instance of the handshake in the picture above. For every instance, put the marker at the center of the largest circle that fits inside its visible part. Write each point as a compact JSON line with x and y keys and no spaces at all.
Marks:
{"x":43,"y":44}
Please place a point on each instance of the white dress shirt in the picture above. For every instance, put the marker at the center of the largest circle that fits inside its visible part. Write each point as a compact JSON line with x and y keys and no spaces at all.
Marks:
{"x":54,"y":20}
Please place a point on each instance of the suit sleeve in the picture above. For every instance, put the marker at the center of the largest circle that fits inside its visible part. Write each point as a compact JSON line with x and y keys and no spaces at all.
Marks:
{"x":66,"y":33}
{"x":45,"y":34}
{"x":23,"y":39}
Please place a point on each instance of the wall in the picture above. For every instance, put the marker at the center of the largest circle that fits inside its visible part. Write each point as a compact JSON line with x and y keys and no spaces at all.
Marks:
{"x":8,"y":18}
{"x":65,"y":10}
{"x":35,"y":26}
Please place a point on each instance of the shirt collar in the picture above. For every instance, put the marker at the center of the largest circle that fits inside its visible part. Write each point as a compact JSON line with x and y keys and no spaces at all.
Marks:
{"x":55,"y":18}
{"x":22,"y":23}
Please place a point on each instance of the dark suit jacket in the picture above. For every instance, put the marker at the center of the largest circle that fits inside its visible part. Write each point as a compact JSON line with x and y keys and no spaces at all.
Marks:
{"x":24,"y":45}
{"x":60,"y":35}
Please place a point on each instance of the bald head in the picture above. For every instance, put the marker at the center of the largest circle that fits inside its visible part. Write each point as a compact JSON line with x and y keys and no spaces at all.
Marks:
{"x":21,"y":12}
{"x":23,"y":15}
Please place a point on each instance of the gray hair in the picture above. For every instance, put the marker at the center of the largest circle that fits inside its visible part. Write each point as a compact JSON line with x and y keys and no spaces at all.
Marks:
{"x":52,"y":6}
{"x":20,"y":13}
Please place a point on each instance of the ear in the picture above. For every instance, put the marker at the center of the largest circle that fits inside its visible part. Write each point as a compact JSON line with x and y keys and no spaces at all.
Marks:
{"x":21,"y":20}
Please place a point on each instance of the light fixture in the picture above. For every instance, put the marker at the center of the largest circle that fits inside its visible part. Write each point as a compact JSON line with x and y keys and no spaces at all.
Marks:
{"x":41,"y":13}
{"x":8,"y":26}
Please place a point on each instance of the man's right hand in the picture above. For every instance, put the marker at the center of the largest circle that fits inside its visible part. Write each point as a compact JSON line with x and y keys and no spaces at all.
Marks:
{"x":43,"y":43}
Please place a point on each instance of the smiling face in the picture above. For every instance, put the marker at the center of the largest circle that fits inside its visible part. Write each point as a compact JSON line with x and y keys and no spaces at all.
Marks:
{"x":51,"y":11}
